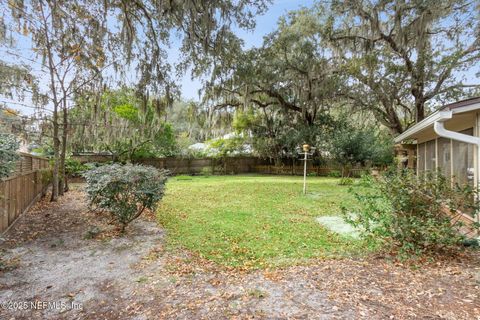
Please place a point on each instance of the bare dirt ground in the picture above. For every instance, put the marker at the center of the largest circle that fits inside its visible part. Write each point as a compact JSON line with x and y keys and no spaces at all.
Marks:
{"x":55,"y":254}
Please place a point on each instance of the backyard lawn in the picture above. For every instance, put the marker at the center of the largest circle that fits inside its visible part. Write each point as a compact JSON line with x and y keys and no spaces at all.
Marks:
{"x":255,"y":221}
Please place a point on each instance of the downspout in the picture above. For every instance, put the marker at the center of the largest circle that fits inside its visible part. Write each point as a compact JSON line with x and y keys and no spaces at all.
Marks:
{"x":439,"y":128}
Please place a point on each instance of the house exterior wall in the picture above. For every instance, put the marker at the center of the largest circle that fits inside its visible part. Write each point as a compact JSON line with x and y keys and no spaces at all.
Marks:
{"x":455,"y":158}
{"x":477,"y":153}
{"x":450,"y":154}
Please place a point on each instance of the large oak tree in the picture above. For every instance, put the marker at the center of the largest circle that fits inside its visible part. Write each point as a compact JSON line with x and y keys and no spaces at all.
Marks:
{"x":401,"y":56}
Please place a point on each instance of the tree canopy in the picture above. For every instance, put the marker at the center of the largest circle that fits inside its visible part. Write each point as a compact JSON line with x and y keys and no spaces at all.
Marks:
{"x":391,"y":59}
{"x":400,"y":55}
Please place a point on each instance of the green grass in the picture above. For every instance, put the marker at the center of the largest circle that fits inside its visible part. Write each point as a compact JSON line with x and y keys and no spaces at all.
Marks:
{"x":255,"y":221}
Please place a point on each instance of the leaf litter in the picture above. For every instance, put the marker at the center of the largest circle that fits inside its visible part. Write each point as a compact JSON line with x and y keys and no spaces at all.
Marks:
{"x":135,"y":277}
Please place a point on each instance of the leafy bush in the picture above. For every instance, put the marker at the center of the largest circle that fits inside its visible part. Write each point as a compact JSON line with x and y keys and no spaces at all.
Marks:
{"x":206,"y":171}
{"x":350,"y":145}
{"x":346,"y":181}
{"x":93,"y":165}
{"x":366,"y":180}
{"x":74,"y":168}
{"x":408,"y":212}
{"x":8,"y":154}
{"x":125,"y":190}
{"x":335,"y":174}
{"x":224,"y":147}
{"x":46,"y":176}
{"x":45,"y":150}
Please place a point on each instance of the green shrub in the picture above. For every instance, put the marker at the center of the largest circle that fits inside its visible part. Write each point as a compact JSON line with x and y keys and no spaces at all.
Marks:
{"x":93,"y":165}
{"x":346,"y":181}
{"x":408,"y":212}
{"x":351,"y":144}
{"x":366,"y":180}
{"x":125,"y":190}
{"x":74,"y":168}
{"x":335,"y":174}
{"x":46,"y":176}
{"x":8,"y":154}
{"x":206,"y":171}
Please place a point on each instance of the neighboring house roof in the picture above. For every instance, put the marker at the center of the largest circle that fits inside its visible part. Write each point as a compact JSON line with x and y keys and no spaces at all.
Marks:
{"x":92,"y":153}
{"x":198,"y":146}
{"x":462,"y":106}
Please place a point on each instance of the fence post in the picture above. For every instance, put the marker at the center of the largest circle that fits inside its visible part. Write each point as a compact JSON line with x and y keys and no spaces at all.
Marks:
{"x":3,"y":205}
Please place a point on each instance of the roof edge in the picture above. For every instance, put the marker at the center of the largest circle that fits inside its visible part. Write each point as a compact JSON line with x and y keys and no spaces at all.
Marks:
{"x":457,"y":107}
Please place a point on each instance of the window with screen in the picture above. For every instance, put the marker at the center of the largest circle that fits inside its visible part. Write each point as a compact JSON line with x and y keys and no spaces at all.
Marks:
{"x":444,"y":156}
{"x":430,"y":156}
{"x":463,"y":169}
{"x":421,"y":158}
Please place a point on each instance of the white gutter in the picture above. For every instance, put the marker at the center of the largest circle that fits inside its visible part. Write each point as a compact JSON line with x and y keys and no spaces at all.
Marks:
{"x":439,"y":129}
{"x":428,"y":121}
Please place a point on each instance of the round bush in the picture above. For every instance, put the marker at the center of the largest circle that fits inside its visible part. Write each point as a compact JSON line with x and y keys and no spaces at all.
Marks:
{"x":125,"y":190}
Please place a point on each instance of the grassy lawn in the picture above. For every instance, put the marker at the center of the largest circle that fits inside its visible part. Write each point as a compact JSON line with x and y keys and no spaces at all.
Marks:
{"x":254,"y":221}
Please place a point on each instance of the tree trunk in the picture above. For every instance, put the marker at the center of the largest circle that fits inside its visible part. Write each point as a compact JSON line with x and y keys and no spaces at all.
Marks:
{"x":395,"y":126}
{"x":56,"y":154}
{"x":67,"y":188}
{"x":63,"y":186}
{"x":392,"y":119}
{"x":56,"y":140}
{"x":419,"y":109}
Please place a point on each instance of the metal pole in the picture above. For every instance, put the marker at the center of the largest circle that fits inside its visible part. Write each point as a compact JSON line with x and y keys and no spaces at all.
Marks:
{"x":305,"y":174}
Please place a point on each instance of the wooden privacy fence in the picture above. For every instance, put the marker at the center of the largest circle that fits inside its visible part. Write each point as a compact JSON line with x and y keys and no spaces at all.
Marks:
{"x":23,"y":188}
{"x":239,"y":165}
{"x":311,"y":170}
{"x":232,"y":165}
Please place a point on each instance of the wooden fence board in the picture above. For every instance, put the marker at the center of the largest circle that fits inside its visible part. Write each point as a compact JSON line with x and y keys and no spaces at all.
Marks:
{"x":234,"y":165}
{"x":19,"y":191}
